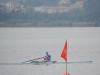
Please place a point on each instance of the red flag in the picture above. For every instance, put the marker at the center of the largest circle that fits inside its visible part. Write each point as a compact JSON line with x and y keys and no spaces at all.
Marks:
{"x":64,"y":52}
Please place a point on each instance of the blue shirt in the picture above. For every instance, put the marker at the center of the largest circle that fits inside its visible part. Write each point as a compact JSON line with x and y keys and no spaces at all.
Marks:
{"x":48,"y":57}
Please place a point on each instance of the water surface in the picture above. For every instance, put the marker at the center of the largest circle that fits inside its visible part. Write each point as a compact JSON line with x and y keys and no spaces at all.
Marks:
{"x":21,"y":44}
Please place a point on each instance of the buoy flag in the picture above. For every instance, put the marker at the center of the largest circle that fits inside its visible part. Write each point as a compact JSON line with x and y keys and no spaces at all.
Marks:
{"x":64,"y":51}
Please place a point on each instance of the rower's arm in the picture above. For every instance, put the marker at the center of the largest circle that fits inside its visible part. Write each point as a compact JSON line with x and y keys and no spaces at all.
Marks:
{"x":44,"y":57}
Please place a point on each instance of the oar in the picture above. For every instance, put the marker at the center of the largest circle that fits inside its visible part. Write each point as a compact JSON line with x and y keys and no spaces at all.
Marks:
{"x":33,"y":59}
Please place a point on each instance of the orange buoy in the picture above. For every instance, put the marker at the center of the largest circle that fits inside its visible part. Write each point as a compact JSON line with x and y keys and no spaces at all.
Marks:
{"x":66,"y":74}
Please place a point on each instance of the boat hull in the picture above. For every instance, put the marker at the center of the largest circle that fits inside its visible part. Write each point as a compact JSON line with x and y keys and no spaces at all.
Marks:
{"x":47,"y":63}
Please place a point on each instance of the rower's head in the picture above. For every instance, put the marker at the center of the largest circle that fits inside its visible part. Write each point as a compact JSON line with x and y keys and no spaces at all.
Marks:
{"x":47,"y":53}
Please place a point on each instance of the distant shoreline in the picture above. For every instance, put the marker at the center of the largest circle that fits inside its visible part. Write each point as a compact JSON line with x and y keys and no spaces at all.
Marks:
{"x":71,"y":24}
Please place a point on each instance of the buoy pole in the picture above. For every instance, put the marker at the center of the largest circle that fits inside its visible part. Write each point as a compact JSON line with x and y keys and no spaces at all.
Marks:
{"x":66,"y":66}
{"x":66,"y":70}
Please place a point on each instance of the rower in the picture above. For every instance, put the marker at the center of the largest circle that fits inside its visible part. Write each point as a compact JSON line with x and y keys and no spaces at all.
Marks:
{"x":47,"y":58}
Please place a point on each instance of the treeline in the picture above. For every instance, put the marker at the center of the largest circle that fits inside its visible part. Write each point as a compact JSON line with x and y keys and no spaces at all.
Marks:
{"x":12,"y":0}
{"x":76,"y":15}
{"x":92,"y":6}
{"x":57,"y":19}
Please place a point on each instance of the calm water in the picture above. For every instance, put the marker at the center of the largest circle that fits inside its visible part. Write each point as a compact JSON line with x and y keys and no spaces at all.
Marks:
{"x":21,"y":44}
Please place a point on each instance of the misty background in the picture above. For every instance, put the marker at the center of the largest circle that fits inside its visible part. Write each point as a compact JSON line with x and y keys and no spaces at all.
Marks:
{"x":49,"y":13}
